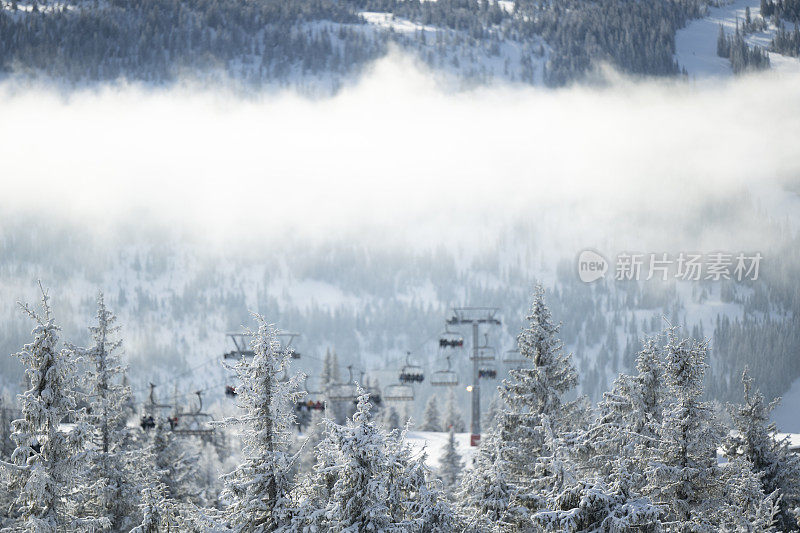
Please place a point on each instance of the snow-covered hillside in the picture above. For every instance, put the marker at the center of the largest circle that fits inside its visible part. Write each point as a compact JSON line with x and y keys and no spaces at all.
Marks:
{"x":696,"y":44}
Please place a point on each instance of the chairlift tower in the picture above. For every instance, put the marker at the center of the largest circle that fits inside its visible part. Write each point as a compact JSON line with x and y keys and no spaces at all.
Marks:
{"x":476,"y":317}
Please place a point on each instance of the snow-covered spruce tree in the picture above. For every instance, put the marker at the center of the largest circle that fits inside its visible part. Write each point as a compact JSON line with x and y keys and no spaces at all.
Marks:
{"x":487,"y":500}
{"x":491,"y":414}
{"x":451,"y":466}
{"x":756,"y":440}
{"x":113,"y":476}
{"x":424,"y":504}
{"x":313,"y":493}
{"x":259,"y":490}
{"x":453,"y":418}
{"x":314,"y":435}
{"x":430,"y":417}
{"x":359,"y":498}
{"x":48,"y":459}
{"x":157,"y":511}
{"x":391,"y":420}
{"x":684,"y":476}
{"x":175,"y":464}
{"x":535,"y":407}
{"x":619,"y":441}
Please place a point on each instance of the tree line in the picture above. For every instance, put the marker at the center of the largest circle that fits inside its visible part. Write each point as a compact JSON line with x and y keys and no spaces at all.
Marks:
{"x":644,"y":459}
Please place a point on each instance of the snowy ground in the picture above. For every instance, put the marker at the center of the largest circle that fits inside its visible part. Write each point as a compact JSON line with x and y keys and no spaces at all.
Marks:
{"x":433,"y":443}
{"x":787,"y":414}
{"x":696,"y":45}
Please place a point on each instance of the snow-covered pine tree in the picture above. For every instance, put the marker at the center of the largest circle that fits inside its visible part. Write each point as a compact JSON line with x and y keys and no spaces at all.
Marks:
{"x":157,"y":511}
{"x":535,"y":410}
{"x":113,"y":476}
{"x":491,"y":414}
{"x":487,"y":500}
{"x":628,"y":422}
{"x":49,"y":458}
{"x":430,"y":417}
{"x":391,"y":420}
{"x":360,"y":496}
{"x":259,"y":490}
{"x":425,"y":506}
{"x":756,"y":440}
{"x":315,"y":433}
{"x":451,"y":466}
{"x":175,"y":464}
{"x":453,"y":419}
{"x":684,"y":477}
{"x":314,"y":491}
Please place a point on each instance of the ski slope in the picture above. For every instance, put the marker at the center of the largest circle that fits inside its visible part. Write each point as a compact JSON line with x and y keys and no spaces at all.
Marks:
{"x":433,"y":443}
{"x":696,"y":44}
{"x":787,"y":415}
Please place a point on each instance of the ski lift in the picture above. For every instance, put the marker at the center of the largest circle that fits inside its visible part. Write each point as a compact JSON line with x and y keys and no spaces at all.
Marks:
{"x":148,"y":420}
{"x":313,"y":401}
{"x":445,"y":378}
{"x":485,"y":351}
{"x":514,"y":358}
{"x":411,"y":373}
{"x":399,"y":393}
{"x":373,"y":394}
{"x":487,"y":373}
{"x":343,"y":392}
{"x":193,"y":422}
{"x":242,"y":343}
{"x":450,"y":339}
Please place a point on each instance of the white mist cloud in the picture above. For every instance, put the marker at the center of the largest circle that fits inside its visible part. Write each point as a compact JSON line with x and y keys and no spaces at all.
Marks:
{"x":395,"y":154}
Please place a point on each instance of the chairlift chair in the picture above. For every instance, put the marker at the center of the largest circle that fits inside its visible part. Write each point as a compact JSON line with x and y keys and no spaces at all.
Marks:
{"x":399,"y":393}
{"x":485,"y":351}
{"x":450,"y":339}
{"x":411,"y":373}
{"x":445,"y":378}
{"x":487,"y":373}
{"x":514,"y":358}
{"x":344,"y":392}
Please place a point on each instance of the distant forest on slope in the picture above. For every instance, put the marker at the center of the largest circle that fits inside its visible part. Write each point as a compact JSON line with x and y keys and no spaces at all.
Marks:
{"x":278,"y":43}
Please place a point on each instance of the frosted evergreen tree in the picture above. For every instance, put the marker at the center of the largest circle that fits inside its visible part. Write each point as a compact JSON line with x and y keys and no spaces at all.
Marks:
{"x":113,"y":476}
{"x":684,"y":477}
{"x":487,"y":498}
{"x":359,"y":498}
{"x":330,"y":369}
{"x":628,"y":422}
{"x":425,"y":505}
{"x":536,"y":414}
{"x":453,"y":418}
{"x":315,"y":432}
{"x":391,"y":420}
{"x":314,"y":492}
{"x":176,"y":464}
{"x":157,"y":511}
{"x":492,"y":413}
{"x":756,"y":441}
{"x":451,"y":465}
{"x":259,"y":490}
{"x":48,"y":459}
{"x":430,"y":417}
